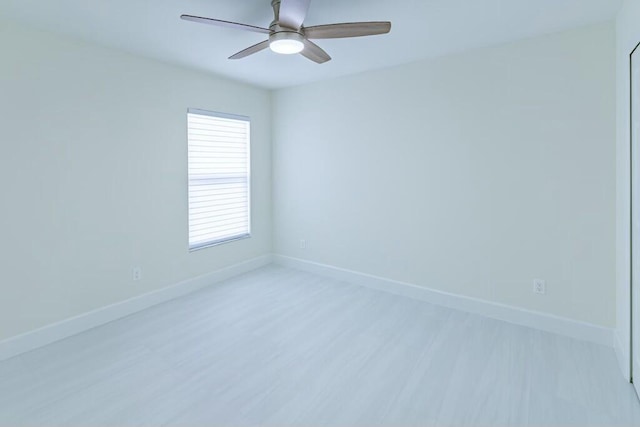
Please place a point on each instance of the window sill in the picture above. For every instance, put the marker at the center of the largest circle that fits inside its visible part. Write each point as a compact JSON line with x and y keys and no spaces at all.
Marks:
{"x":219,"y":242}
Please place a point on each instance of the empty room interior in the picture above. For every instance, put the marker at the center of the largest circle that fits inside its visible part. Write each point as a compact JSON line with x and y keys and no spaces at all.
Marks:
{"x":294,"y":212}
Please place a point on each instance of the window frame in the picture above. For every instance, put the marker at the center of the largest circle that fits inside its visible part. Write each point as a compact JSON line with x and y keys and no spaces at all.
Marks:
{"x":247,"y":235}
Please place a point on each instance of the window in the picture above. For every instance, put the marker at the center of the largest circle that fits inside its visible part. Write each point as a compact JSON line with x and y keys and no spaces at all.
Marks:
{"x":219,"y":178}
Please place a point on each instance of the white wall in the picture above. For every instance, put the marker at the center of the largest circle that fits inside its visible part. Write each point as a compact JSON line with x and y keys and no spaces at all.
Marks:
{"x":472,"y":174}
{"x":627,"y":36}
{"x":93,"y":176}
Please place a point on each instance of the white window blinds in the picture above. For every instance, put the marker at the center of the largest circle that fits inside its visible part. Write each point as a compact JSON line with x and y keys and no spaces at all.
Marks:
{"x":219,"y":177}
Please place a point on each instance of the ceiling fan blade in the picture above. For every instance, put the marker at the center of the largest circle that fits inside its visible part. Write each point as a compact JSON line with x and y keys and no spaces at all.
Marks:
{"x":227,"y":24}
{"x":349,"y":29}
{"x":314,"y":52}
{"x":251,"y":50}
{"x":293,"y":12}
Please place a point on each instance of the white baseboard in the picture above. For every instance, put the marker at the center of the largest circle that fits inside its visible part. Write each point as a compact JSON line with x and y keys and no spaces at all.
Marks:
{"x":519,"y":316}
{"x":46,"y":335}
{"x":40,"y":337}
{"x":623,"y":356}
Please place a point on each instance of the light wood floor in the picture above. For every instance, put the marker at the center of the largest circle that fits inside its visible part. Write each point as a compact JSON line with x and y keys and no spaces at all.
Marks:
{"x":282,"y":347}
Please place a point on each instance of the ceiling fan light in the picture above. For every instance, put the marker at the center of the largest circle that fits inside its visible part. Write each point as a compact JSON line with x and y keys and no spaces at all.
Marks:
{"x":286,"y":43}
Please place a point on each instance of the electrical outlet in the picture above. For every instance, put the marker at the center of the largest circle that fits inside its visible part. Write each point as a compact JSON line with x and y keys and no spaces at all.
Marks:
{"x":539,"y":286}
{"x":136,"y":273}
{"x":303,"y":244}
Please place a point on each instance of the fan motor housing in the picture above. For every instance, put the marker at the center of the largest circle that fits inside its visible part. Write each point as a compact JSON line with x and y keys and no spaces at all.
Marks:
{"x":285,"y":40}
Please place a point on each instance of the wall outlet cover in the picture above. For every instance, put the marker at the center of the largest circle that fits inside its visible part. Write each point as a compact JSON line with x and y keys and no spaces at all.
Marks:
{"x":539,"y":286}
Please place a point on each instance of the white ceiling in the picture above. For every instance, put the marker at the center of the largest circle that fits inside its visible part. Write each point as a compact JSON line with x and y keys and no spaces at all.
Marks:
{"x":420,"y":29}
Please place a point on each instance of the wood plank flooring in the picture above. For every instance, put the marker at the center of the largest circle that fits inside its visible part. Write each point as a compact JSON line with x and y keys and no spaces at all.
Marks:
{"x":282,"y":347}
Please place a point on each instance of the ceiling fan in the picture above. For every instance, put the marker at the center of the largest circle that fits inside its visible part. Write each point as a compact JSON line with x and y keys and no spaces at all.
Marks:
{"x":288,"y":35}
